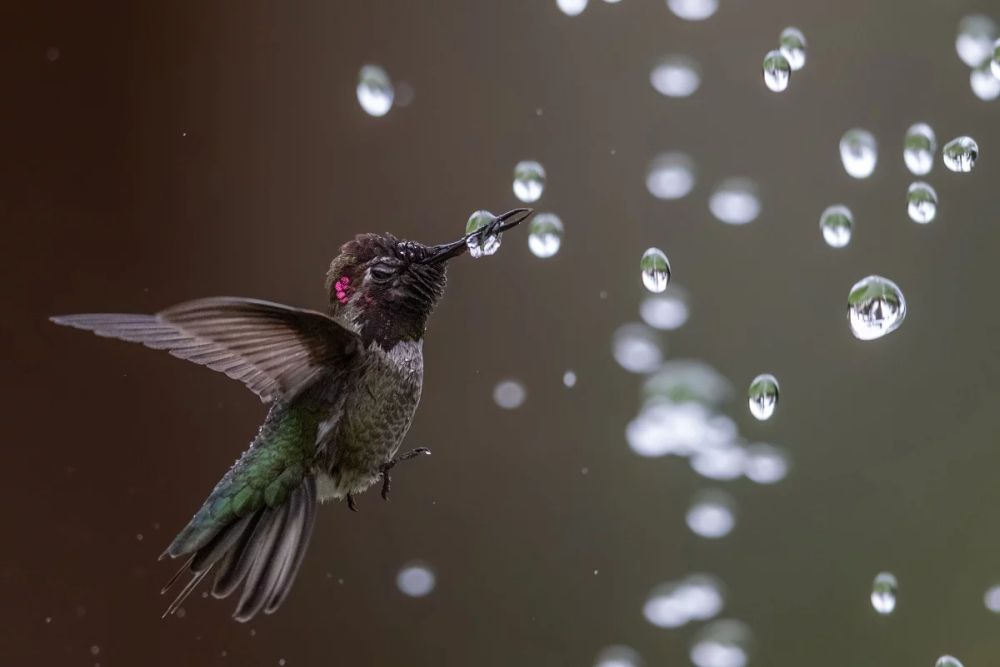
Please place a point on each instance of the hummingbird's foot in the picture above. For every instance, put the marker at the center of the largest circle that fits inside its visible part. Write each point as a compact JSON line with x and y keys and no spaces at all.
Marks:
{"x":350,"y":503}
{"x":387,"y":479}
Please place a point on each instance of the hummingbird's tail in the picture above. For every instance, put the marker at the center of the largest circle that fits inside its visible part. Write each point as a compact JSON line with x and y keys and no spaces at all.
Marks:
{"x":262,"y":551}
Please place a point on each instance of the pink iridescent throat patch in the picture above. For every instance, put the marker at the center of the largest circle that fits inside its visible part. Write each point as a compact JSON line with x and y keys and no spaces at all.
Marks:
{"x":342,"y":286}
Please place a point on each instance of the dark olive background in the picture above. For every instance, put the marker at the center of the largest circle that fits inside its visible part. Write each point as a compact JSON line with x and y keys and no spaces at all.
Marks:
{"x":185,"y":149}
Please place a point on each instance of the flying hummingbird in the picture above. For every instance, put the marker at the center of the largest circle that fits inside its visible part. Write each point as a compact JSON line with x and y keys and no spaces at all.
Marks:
{"x":342,"y":389}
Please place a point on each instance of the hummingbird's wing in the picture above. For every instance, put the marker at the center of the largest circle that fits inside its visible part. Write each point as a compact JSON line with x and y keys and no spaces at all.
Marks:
{"x":273,"y":349}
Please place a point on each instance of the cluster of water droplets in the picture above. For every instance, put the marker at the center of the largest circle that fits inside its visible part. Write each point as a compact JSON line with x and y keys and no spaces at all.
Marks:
{"x":698,"y":597}
{"x":779,"y":63}
{"x":978,"y":47}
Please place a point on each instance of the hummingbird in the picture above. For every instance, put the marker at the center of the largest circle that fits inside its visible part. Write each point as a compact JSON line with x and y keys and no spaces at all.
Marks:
{"x":342,"y":388}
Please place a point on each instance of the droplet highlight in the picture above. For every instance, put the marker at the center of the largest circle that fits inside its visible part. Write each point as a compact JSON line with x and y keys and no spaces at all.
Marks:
{"x":735,"y":201}
{"x":960,"y":154}
{"x":984,"y":84}
{"x":675,"y":76}
{"x":712,"y":514}
{"x":919,"y":146}
{"x":792,"y":44}
{"x":762,"y":396}
{"x":858,"y":153}
{"x":883,"y":596}
{"x":509,"y":394}
{"x":837,"y":224}
{"x":545,"y":235}
{"x":875,"y":307}
{"x":670,"y":176}
{"x":777,"y":71}
{"x":655,"y":270}
{"x":974,"y":42}
{"x":375,"y":91}
{"x":921,"y":202}
{"x":571,"y":7}
{"x":416,"y":579}
{"x":693,"y":10}
{"x":529,"y":181}
{"x":724,"y":643}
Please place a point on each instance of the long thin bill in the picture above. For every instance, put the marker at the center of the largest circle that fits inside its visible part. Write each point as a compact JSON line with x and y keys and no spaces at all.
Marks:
{"x":503,"y":222}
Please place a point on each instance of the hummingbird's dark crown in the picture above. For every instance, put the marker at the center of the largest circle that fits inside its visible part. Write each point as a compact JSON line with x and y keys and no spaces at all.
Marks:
{"x":385,"y":286}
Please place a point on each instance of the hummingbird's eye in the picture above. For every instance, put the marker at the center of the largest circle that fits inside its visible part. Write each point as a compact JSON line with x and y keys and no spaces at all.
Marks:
{"x":382,"y":273}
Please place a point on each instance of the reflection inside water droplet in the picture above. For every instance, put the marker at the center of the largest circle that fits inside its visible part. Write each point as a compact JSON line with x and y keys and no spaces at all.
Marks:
{"x":762,"y":396}
{"x":948,"y":661}
{"x":984,"y":84}
{"x":375,"y":91}
{"x":529,"y":181}
{"x":711,"y":514}
{"x":545,"y":235}
{"x":479,"y":246}
{"x":919,"y":146}
{"x":670,"y":176}
{"x":858,"y":153}
{"x":735,"y":201}
{"x":960,"y":154}
{"x":792,"y":44}
{"x":884,"y":589}
{"x":675,"y":76}
{"x":654,"y":267}
{"x":875,"y":307}
{"x":921,"y":202}
{"x":974,"y":42}
{"x":777,"y":71}
{"x":416,"y":579}
{"x":837,"y":224}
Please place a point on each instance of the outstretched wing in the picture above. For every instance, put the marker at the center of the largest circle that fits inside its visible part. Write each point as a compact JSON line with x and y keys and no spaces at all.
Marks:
{"x":271,"y":348}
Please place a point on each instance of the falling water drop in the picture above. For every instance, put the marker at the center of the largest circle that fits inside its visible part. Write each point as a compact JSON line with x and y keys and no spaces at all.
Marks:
{"x":765,"y":464}
{"x":529,"y":181}
{"x":960,"y":154}
{"x":655,"y":270}
{"x":724,"y":643}
{"x":545,"y":235}
{"x":479,"y":246}
{"x":735,"y":201}
{"x":792,"y":44}
{"x":948,"y":661}
{"x":974,"y":42}
{"x":762,"y":396}
{"x":991,"y":598}
{"x":858,"y":152}
{"x":921,"y":202}
{"x":569,"y":379}
{"x":919,"y":146}
{"x":667,"y":311}
{"x":618,"y":656}
{"x":837,"y":225}
{"x":509,"y":394}
{"x":712,"y":514}
{"x":875,"y":307}
{"x":375,"y":91}
{"x":571,"y":7}
{"x":416,"y":579}
{"x":693,"y":10}
{"x":675,"y":76}
{"x":637,"y":348}
{"x":984,"y":84}
{"x":670,"y":176}
{"x":777,"y":71}
{"x":884,"y":593}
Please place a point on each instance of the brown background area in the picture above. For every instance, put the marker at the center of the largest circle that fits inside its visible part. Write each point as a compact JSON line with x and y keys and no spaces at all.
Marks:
{"x":186,"y":149}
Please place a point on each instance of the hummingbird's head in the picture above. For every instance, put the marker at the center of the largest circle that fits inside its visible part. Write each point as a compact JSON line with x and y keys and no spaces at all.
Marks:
{"x":388,"y":287}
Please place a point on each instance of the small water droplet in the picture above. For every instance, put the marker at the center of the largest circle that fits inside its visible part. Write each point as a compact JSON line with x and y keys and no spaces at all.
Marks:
{"x":735,"y":201}
{"x":655,"y":269}
{"x":138,"y":537}
{"x":670,"y":176}
{"x":723,"y":643}
{"x":667,"y":311}
{"x":725,"y":462}
{"x":529,"y":181}
{"x":792,"y":44}
{"x":984,"y":84}
{"x":884,"y":589}
{"x":837,"y":225}
{"x":617,"y":656}
{"x":991,"y":598}
{"x":675,"y":76}
{"x":777,"y":71}
{"x":569,"y":379}
{"x":545,"y":235}
{"x":974,"y":42}
{"x":571,"y":7}
{"x":711,"y":514}
{"x":416,"y":579}
{"x":858,"y":152}
{"x":95,"y":649}
{"x":509,"y":394}
{"x":637,"y":348}
{"x":960,"y":154}
{"x":875,"y":307}
{"x":948,"y":661}
{"x":693,"y":10}
{"x":762,"y":396}
{"x":919,"y":146}
{"x":52,"y":54}
{"x":479,"y":246}
{"x":765,"y":464}
{"x":921,"y":202}
{"x":375,"y":91}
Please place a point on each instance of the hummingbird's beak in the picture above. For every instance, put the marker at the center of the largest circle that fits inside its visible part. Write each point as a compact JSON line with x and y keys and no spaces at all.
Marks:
{"x":503,"y":222}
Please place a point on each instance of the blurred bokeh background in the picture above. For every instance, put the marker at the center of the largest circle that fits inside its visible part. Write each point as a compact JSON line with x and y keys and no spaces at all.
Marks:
{"x":158,"y":152}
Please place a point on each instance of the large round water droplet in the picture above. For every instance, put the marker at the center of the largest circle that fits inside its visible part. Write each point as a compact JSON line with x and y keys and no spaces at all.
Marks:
{"x":529,"y":181}
{"x":416,"y":579}
{"x":670,"y":176}
{"x":693,"y":10}
{"x":636,"y":348}
{"x":571,"y":7}
{"x":858,"y":152}
{"x":875,"y":307}
{"x":762,"y":396}
{"x":618,"y":656}
{"x":919,"y":146}
{"x":655,"y":270}
{"x":712,"y":514}
{"x":777,"y":71}
{"x":735,"y":201}
{"x":792,"y":44}
{"x":765,"y":464}
{"x":884,"y":593}
{"x":479,"y":246}
{"x":375,"y":91}
{"x":666,"y":311}
{"x":545,"y":235}
{"x":675,"y":76}
{"x":960,"y":154}
{"x":723,"y":643}
{"x":974,"y":42}
{"x":509,"y":394}
{"x":948,"y":661}
{"x":984,"y":85}
{"x":837,"y":224}
{"x":921,"y":202}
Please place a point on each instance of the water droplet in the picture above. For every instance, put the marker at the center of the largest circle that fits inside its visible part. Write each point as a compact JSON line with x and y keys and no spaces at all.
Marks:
{"x":529,"y":181}
{"x":673,"y":604}
{"x":693,"y":10}
{"x":415,"y":579}
{"x":724,"y":462}
{"x":545,"y":235}
{"x":995,"y":60}
{"x":682,"y":380}
{"x":95,"y":649}
{"x":571,"y":7}
{"x":723,"y":643}
{"x":667,"y":311}
{"x":762,"y":396}
{"x":765,"y":464}
{"x":948,"y":661}
{"x":712,"y":514}
{"x":617,"y":656}
{"x":984,"y":85}
{"x":479,"y":246}
{"x":793,"y":46}
{"x":921,"y":202}
{"x":375,"y":91}
{"x":509,"y":394}
{"x":991,"y":598}
{"x":777,"y":71}
{"x":569,"y":379}
{"x":684,"y":429}
{"x":875,"y":307}
{"x":859,"y":153}
{"x":960,"y":154}
{"x":974,"y":42}
{"x":735,"y":201}
{"x":837,"y":224}
{"x":655,"y":269}
{"x":670,"y":176}
{"x":636,"y":348}
{"x":675,"y":76}
{"x":919,"y":146}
